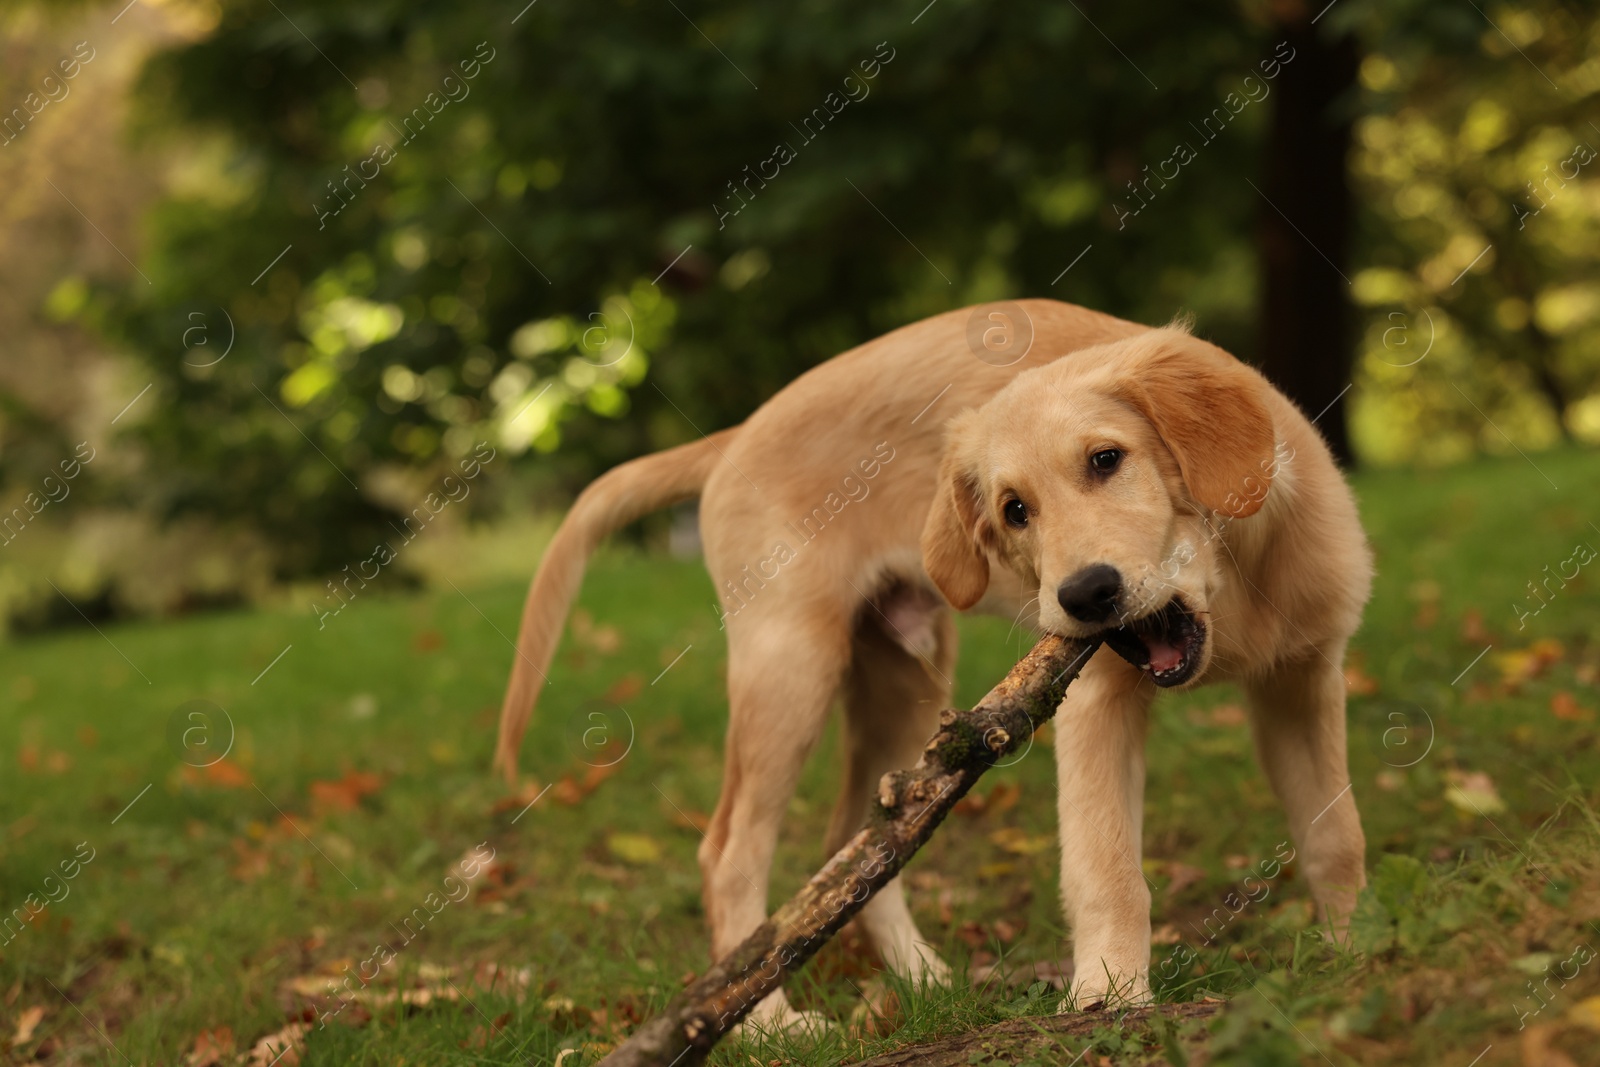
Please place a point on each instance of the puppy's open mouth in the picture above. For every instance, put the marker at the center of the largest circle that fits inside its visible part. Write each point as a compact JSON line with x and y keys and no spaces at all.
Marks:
{"x":1166,"y":644}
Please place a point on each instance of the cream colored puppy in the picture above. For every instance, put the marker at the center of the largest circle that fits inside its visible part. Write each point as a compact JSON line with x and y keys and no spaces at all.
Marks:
{"x":1087,"y":474}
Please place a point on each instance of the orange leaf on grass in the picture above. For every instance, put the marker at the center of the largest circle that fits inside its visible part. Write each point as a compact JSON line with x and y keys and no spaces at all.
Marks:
{"x":1002,"y":798}
{"x":1520,"y":665}
{"x":1357,"y":680}
{"x":481,"y":1037}
{"x":211,"y":1048}
{"x":1183,"y":876}
{"x":224,"y":774}
{"x":567,"y":791}
{"x":604,"y":639}
{"x":1473,"y":631}
{"x":281,"y":1047}
{"x":344,"y":794}
{"x":253,"y":862}
{"x":27,"y":1023}
{"x":526,"y":794}
{"x":599,"y":773}
{"x":690,"y":819}
{"x":1234,"y":715}
{"x":1565,"y":706}
{"x":625,"y":688}
{"x":974,"y":933}
{"x":427,"y":641}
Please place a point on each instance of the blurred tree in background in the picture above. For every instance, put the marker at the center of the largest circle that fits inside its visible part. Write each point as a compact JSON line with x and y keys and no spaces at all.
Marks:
{"x":582,"y":232}
{"x":1477,"y":162}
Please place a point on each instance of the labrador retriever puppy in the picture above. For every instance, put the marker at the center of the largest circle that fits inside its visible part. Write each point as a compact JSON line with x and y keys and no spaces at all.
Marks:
{"x":1088,"y":475}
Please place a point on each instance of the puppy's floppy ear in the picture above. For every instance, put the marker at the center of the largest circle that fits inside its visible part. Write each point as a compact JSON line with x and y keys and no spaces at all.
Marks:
{"x":1211,"y":412}
{"x":956,"y":530}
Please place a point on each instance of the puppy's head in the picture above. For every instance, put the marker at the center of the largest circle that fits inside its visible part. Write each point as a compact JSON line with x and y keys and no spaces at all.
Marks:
{"x":1100,"y":479}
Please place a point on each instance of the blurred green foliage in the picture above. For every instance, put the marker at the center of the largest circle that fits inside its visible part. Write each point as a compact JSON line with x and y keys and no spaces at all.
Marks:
{"x":588,"y":231}
{"x":512,"y":259}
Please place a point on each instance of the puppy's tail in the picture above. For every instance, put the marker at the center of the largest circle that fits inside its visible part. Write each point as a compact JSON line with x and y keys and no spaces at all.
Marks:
{"x":616,"y":498}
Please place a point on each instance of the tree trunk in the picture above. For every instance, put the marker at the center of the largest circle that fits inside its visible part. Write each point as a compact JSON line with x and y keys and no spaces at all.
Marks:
{"x":1305,"y":225}
{"x":910,"y":805}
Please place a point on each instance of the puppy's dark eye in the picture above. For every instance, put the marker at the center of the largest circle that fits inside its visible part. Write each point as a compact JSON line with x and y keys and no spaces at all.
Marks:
{"x":1016,"y":513}
{"x":1106,"y":460}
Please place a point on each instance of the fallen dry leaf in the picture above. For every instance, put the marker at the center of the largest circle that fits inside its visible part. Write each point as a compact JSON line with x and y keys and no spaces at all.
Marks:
{"x":252,"y":862}
{"x":625,"y":688}
{"x":1537,"y":1050}
{"x":427,"y":641}
{"x":878,"y":1012}
{"x":690,"y":819}
{"x":480,"y":866}
{"x":224,"y":773}
{"x":1357,"y":680}
{"x":279,"y":1047}
{"x":1165,"y":934}
{"x":1002,"y":798}
{"x":1586,"y":1012}
{"x":641,"y":850}
{"x":1519,"y":665}
{"x":605,"y":766}
{"x":604,"y":639}
{"x":1014,"y":840}
{"x":526,"y":794}
{"x":1473,"y":792}
{"x":1473,"y":632}
{"x":344,"y":794}
{"x":1231,"y":714}
{"x":974,"y":933}
{"x":27,"y":1023}
{"x":566,"y":1015}
{"x":570,"y":791}
{"x":481,"y":1037}
{"x":1565,"y":706}
{"x":211,"y":1047}
{"x":1183,"y":876}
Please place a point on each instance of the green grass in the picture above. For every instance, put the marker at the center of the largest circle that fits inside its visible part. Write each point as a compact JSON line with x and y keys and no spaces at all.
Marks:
{"x":202,"y":902}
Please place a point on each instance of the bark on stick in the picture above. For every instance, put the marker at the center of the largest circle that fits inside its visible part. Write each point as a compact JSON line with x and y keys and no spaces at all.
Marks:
{"x":910,"y":805}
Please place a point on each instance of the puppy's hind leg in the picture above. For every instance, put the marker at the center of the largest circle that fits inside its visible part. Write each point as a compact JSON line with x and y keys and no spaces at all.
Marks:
{"x":1298,"y":717}
{"x":892,"y":700}
{"x":782,"y":674}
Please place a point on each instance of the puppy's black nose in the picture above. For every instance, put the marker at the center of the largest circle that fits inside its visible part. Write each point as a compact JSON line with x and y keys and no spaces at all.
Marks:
{"x":1091,"y":594}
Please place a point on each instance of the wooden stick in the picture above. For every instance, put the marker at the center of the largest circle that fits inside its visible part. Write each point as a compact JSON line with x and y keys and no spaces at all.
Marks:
{"x":910,"y":805}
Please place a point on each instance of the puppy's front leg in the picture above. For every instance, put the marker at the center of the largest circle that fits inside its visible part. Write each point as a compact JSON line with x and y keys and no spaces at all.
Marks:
{"x":1099,"y":740}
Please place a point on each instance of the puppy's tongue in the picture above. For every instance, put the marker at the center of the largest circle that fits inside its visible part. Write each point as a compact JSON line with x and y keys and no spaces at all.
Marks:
{"x":1164,"y":655}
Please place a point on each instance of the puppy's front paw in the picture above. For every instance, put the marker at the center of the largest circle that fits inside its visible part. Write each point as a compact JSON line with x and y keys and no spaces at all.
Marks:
{"x":1107,"y":991}
{"x":776,"y":1016}
{"x":926,"y":967}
